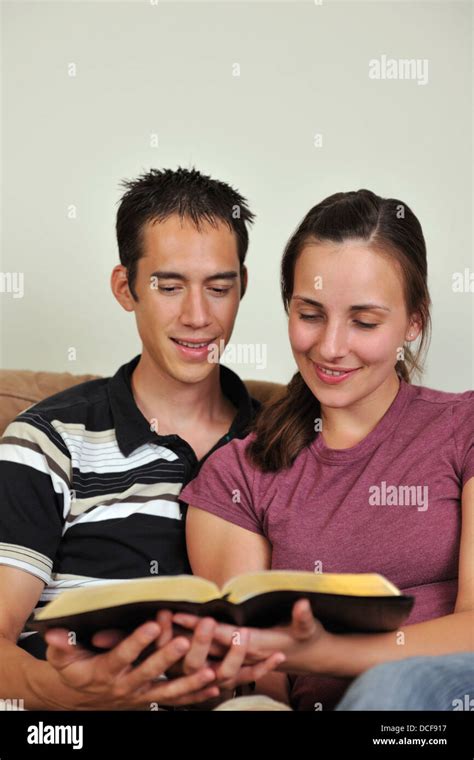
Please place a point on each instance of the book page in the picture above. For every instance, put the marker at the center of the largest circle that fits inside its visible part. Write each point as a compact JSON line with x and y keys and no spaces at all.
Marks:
{"x":352,"y":584}
{"x":168,"y":588}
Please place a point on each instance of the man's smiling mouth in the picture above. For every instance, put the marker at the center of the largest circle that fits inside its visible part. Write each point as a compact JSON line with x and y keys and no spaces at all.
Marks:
{"x":194,"y":343}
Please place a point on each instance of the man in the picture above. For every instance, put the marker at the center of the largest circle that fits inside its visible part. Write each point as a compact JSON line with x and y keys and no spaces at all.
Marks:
{"x":90,"y":478}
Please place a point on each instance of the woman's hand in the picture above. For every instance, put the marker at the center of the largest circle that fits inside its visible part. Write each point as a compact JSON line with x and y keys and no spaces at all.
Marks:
{"x":304,"y":641}
{"x":225,"y":658}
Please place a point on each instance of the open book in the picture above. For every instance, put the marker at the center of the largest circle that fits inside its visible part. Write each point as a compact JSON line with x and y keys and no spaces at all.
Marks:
{"x":351,"y":602}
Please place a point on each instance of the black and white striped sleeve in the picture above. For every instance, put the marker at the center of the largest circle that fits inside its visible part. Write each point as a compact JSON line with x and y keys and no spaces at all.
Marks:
{"x":35,"y":475}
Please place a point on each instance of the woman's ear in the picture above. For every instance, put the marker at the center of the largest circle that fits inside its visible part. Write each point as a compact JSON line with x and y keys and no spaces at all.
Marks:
{"x":414,"y":328}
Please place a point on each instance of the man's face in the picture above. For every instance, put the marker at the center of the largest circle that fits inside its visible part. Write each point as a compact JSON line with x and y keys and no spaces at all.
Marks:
{"x":188,"y":286}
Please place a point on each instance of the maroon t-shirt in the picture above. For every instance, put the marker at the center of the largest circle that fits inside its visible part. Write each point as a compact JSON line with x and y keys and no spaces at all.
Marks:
{"x":390,"y":505}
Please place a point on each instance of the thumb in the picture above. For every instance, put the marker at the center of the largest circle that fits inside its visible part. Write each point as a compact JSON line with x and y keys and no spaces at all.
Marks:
{"x":304,"y":623}
{"x":62,"y":649}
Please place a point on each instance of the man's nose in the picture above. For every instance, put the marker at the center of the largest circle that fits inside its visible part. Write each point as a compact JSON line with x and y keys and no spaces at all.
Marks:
{"x":195,"y":312}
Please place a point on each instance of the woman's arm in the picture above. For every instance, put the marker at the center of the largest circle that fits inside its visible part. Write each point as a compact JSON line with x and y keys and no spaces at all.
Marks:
{"x":309,"y":648}
{"x":352,"y":654}
{"x":219,"y":550}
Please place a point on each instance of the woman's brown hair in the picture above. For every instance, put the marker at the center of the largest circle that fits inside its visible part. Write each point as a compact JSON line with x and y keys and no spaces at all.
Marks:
{"x":285,"y":426}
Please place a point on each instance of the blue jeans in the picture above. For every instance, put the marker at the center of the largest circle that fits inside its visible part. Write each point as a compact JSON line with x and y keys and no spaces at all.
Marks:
{"x":444,"y":682}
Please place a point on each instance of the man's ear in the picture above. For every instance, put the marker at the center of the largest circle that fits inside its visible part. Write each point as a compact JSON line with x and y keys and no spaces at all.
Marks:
{"x":243,"y":280}
{"x":120,"y":288}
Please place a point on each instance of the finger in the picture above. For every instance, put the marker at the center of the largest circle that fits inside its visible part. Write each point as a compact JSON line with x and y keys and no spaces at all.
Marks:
{"x":201,"y":642}
{"x":58,"y":637}
{"x":232,"y":662}
{"x":165,"y":621}
{"x":216,"y":649}
{"x":107,"y":638}
{"x":224,"y":635}
{"x":303,"y":621}
{"x":155,"y":665}
{"x":183,"y":690}
{"x":190,"y":622}
{"x":266,"y":666}
{"x":203,"y":695}
{"x":186,"y":620}
{"x":62,"y":649}
{"x":223,"y":632}
{"x":250,"y":673}
{"x":128,"y":650}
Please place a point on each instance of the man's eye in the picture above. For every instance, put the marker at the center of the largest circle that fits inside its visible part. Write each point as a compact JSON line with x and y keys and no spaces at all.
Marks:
{"x":220,"y":291}
{"x":169,"y":289}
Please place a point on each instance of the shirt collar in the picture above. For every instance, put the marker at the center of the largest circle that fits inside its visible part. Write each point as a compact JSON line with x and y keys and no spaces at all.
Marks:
{"x":133,"y":430}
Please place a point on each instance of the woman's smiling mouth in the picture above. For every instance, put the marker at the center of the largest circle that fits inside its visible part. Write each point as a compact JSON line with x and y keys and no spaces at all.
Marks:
{"x":333,"y":375}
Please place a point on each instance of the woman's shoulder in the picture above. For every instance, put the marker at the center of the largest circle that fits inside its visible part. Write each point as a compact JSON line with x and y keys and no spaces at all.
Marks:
{"x":446,"y":415}
{"x":432,"y":396}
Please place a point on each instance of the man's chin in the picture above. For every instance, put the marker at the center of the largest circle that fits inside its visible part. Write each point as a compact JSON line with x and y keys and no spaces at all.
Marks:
{"x":195,"y":373}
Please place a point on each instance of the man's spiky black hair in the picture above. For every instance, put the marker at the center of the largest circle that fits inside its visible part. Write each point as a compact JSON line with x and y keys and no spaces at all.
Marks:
{"x":161,"y":193}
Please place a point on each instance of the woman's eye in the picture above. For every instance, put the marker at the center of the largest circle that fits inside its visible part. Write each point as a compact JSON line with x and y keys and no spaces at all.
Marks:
{"x":358,"y":322}
{"x":367,"y":325}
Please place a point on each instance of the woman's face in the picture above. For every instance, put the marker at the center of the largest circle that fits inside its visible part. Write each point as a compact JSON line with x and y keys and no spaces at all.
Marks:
{"x":347,"y":314}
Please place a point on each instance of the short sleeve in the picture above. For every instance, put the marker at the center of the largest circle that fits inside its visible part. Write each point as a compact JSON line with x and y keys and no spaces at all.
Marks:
{"x":224,"y":487}
{"x":34,"y":491}
{"x":463,"y":424}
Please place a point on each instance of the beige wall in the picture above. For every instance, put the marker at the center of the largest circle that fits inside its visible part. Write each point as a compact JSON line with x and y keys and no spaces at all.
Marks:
{"x":167,"y":69}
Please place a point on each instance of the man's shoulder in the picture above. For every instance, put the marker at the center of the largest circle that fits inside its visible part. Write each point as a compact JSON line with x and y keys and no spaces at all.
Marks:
{"x":72,"y":401}
{"x":256,"y":404}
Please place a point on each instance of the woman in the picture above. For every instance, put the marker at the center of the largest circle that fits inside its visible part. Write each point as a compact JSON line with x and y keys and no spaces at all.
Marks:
{"x":307,"y":489}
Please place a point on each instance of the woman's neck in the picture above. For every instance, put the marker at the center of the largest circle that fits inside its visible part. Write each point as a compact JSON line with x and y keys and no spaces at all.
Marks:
{"x":345,"y":427}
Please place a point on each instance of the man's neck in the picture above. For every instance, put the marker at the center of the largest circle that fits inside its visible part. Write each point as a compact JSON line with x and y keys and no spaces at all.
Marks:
{"x":176,"y":405}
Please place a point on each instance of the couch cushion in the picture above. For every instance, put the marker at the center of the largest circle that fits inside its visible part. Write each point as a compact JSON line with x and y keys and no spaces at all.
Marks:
{"x":20,"y":389}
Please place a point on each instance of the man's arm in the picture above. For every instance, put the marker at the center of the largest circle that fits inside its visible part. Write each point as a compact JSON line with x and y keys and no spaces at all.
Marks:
{"x":78,"y":680}
{"x":22,"y":676}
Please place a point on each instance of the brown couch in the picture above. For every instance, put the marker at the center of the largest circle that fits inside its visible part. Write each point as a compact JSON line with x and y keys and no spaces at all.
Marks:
{"x":22,"y":388}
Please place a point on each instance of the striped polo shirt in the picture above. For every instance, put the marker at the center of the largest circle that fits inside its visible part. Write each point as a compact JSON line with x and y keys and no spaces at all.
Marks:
{"x":89,"y":491}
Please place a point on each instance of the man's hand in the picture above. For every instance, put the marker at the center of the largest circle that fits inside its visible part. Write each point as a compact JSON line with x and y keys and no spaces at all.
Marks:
{"x":110,"y":682}
{"x":225,"y":658}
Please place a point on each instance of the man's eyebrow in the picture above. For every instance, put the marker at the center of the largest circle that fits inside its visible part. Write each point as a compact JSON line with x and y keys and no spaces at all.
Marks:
{"x":356,"y":307}
{"x":166,"y":275}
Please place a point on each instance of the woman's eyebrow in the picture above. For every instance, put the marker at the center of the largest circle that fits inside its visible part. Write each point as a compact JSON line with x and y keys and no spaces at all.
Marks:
{"x":366,"y":306}
{"x":356,"y":307}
